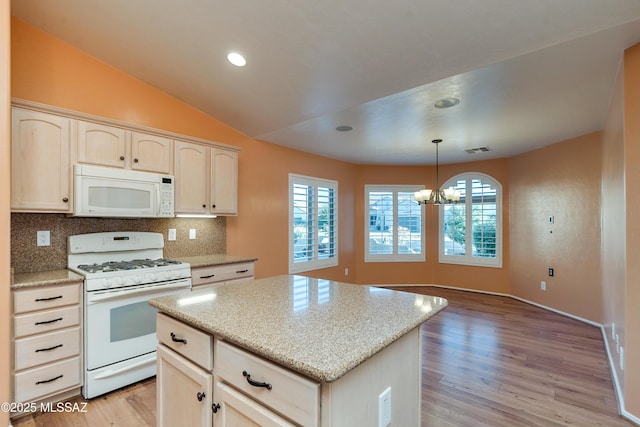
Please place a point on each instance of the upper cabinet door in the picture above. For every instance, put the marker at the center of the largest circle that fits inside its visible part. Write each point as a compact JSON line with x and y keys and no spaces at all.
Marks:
{"x":191,"y":175}
{"x":101,"y":145}
{"x":40,"y":165}
{"x":224,"y":182}
{"x":151,"y":153}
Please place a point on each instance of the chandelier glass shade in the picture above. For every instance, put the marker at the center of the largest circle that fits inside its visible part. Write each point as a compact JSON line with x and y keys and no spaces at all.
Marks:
{"x":438,"y":196}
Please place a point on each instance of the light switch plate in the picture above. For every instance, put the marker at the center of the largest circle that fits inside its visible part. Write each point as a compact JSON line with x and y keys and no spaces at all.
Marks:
{"x":172,"y":234}
{"x":192,"y":233}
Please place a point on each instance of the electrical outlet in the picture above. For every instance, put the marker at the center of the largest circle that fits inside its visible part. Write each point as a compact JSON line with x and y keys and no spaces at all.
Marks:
{"x":346,"y":271}
{"x":543,"y":285}
{"x":384,"y":408}
{"x":44,"y":238}
{"x":550,"y":272}
{"x":172,"y":234}
{"x":192,"y":233}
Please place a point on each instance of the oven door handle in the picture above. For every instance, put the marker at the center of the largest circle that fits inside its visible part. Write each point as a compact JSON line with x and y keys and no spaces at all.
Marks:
{"x":103,"y":296}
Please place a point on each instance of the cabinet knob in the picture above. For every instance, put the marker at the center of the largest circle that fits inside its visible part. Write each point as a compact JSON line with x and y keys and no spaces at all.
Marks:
{"x":121,"y":157}
{"x":66,"y":199}
{"x":213,"y":206}
{"x":215,"y":407}
{"x":200,"y":396}
{"x":135,"y":160}
{"x":204,"y":206}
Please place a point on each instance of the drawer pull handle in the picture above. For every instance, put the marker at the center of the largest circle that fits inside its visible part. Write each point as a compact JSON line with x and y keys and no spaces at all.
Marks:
{"x":48,"y":299}
{"x":174,"y":339}
{"x":256,"y":383}
{"x":200,"y":396}
{"x":50,"y":348}
{"x":44,"y":322}
{"x":207,"y":277}
{"x":215,"y":407}
{"x":241,"y":271}
{"x":48,"y":381}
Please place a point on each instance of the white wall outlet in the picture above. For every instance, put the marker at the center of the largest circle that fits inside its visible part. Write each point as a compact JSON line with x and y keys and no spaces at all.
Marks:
{"x":172,"y":234}
{"x":346,"y":271}
{"x":543,"y":285}
{"x":384,"y":408}
{"x":44,"y":238}
{"x":192,"y":233}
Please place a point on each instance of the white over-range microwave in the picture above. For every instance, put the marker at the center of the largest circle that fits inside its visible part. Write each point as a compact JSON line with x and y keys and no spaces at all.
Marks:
{"x":110,"y":192}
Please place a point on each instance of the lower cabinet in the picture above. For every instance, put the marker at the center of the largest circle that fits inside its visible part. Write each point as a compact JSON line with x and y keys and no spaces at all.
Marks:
{"x":184,"y":391}
{"x":47,"y":349}
{"x":236,"y":409}
{"x":210,"y":276}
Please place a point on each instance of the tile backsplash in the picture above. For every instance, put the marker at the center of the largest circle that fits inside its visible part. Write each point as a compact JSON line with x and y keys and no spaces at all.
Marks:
{"x":27,"y":257}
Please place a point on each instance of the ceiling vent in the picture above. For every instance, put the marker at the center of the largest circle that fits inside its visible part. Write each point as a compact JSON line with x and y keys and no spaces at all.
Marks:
{"x":477,"y":150}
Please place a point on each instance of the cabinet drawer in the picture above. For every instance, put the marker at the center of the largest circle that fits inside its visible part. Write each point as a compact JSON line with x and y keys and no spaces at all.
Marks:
{"x":44,"y":298}
{"x":49,"y":379}
{"x":45,"y":321}
{"x":221,"y":273}
{"x":49,"y":347}
{"x":289,"y":393}
{"x":193,"y":344}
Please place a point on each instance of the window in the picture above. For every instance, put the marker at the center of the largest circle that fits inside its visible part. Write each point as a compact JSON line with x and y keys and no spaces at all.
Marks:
{"x":470,"y":231}
{"x":313,"y":223}
{"x":393,"y":224}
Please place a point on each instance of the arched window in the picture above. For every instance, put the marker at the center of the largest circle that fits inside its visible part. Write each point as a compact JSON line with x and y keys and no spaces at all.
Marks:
{"x":471,"y":230}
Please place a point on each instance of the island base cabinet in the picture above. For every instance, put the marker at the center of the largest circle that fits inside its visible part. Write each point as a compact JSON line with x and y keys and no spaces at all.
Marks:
{"x":236,"y":409}
{"x":352,"y":400}
{"x":184,"y":391}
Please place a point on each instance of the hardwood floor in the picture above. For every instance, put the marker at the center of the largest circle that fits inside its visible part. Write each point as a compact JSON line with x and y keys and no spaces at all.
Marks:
{"x":488,"y":361}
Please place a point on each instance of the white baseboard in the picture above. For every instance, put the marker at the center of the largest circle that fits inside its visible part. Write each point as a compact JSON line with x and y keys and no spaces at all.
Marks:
{"x":614,"y":375}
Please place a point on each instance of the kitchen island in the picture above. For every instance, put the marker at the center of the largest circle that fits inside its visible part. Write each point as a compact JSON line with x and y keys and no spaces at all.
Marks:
{"x":291,"y":350}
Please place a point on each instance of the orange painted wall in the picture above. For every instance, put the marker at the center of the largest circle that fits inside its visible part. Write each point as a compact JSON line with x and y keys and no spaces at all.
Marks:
{"x":430,"y":272}
{"x":632,"y":183}
{"x":561,"y":180}
{"x":5,"y":175}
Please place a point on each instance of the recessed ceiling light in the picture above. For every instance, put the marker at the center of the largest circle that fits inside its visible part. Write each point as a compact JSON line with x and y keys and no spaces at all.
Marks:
{"x":236,"y":59}
{"x":344,"y":128}
{"x":446,"y":102}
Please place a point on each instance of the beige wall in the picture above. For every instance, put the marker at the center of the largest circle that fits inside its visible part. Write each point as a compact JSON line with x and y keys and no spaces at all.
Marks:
{"x":632,"y":183}
{"x":614,"y":226}
{"x":561,"y":180}
{"x":5,"y":175}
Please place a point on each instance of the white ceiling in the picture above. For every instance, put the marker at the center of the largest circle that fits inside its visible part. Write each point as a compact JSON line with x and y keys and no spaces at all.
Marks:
{"x":528,"y":73}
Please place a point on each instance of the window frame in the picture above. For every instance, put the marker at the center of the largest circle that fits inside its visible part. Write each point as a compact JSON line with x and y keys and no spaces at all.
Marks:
{"x":469,"y":259}
{"x":395,"y":256}
{"x":316,"y":262}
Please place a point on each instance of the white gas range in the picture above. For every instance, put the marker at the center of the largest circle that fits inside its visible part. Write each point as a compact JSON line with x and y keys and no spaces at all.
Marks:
{"x":122,"y":271}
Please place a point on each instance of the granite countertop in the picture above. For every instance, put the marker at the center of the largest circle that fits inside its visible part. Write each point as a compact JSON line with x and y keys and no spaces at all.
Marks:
{"x":44,"y":278}
{"x":211,"y":260}
{"x":319,"y":328}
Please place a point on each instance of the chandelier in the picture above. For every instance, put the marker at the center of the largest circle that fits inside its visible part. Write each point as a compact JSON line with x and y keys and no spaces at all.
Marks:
{"x":437,"y":196}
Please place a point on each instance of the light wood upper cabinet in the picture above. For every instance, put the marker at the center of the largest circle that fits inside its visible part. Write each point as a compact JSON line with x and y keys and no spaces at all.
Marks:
{"x":224,"y":181}
{"x":151,"y":153}
{"x":101,"y":145}
{"x":115,"y":147}
{"x":40,"y":164}
{"x":191,"y":187}
{"x":206,"y":179}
